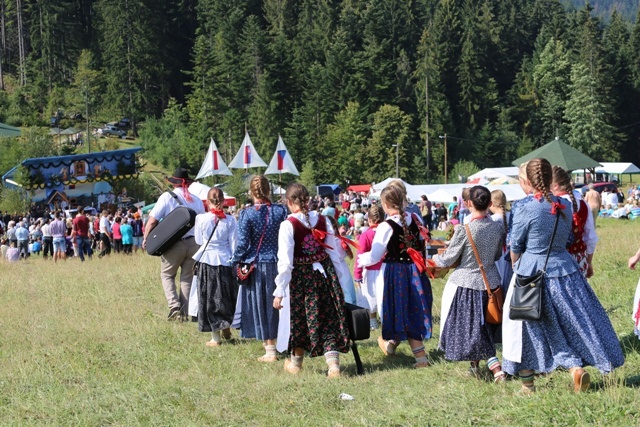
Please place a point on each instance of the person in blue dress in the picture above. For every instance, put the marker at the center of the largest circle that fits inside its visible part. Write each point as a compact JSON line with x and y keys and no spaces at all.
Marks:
{"x":407,"y":297}
{"x":258,"y":228}
{"x":574,"y":330}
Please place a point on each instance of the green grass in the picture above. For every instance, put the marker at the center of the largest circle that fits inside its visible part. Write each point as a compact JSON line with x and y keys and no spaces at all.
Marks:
{"x":88,"y":344}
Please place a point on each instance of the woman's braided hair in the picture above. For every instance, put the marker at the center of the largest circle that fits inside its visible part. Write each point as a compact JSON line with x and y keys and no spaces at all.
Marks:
{"x":298,"y":195}
{"x":540,"y":175}
{"x":375,"y":214}
{"x":215,"y":197}
{"x":562,"y":178}
{"x":260,"y":188}
{"x":394,"y":198}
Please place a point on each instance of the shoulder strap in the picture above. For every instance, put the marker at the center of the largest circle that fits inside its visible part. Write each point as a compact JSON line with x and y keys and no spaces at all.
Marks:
{"x":475,"y":252}
{"x":264,"y":230}
{"x":553,"y":235}
{"x":175,"y":196}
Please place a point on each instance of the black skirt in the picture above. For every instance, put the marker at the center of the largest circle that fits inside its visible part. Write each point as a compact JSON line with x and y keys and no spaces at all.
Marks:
{"x":217,"y":294}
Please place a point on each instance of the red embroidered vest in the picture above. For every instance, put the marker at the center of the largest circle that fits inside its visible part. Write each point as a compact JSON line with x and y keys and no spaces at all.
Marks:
{"x":307,"y":250}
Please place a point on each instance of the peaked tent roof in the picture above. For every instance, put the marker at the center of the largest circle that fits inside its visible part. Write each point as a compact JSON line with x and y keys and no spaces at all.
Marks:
{"x":493,"y":173}
{"x":618,"y":168}
{"x":9,"y":131}
{"x":560,"y":154}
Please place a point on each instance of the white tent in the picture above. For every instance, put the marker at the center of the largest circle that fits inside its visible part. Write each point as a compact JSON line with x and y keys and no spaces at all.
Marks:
{"x":617,"y":168}
{"x":281,"y":161}
{"x":213,"y":163}
{"x":247,"y":156}
{"x":493,"y":173}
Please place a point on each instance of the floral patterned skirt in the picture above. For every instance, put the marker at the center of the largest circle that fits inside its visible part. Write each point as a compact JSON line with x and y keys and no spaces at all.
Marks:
{"x":406,"y":303}
{"x":465,"y":335}
{"x":318,"y":322}
{"x":574,"y":330}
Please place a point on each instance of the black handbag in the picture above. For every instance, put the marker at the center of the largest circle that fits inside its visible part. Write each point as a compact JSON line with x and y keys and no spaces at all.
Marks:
{"x":359,"y":329}
{"x":526,"y":301}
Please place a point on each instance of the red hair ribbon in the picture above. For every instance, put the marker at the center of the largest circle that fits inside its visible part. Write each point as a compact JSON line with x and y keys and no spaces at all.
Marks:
{"x":555,"y":206}
{"x":417,"y":259}
{"x":538,"y":196}
{"x":637,"y":318}
{"x":320,"y":235}
{"x":424,"y":232}
{"x":218,"y":212}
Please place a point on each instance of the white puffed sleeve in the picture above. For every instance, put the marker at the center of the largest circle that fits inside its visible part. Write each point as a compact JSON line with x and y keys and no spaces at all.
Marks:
{"x":285,"y":258}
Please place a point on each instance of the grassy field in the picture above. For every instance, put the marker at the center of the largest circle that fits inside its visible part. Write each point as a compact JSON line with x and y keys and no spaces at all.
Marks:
{"x":89,"y":344}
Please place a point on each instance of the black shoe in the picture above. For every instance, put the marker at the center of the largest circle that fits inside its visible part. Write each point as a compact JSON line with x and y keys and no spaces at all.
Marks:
{"x":194,"y":318}
{"x":174,"y":314}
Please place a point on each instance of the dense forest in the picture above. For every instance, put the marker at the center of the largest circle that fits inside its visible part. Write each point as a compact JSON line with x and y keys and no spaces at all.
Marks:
{"x":345,"y":82}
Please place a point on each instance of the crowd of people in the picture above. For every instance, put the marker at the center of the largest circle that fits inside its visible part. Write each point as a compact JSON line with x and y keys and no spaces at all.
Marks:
{"x":278,"y":271}
{"x":58,"y":237}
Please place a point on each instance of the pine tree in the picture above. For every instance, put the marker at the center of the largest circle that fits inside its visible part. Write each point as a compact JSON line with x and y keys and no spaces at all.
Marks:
{"x":589,"y":117}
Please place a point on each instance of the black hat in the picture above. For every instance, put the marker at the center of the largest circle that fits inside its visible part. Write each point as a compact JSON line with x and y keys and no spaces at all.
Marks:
{"x":180,"y":176}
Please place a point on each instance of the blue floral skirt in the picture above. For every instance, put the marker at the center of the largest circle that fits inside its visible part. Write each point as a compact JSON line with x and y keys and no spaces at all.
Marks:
{"x":406,"y":303}
{"x":574,"y":330}
{"x":259,"y":319}
{"x":465,"y":335}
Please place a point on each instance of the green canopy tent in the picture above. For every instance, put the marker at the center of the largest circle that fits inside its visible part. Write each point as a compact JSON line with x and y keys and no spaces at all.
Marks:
{"x":7,"y":131}
{"x":560,"y":154}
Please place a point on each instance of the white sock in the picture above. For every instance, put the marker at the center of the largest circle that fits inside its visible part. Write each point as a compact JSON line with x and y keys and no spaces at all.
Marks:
{"x":215,"y":337}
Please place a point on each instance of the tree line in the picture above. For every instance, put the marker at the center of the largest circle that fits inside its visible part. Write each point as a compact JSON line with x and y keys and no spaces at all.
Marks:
{"x":351,"y":85}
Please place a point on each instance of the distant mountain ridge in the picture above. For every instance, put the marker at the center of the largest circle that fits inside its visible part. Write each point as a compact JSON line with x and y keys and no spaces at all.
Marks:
{"x":604,"y":8}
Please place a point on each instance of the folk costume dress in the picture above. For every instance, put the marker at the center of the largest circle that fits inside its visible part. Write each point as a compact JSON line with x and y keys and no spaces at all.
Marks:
{"x":504,"y":263}
{"x":407,"y":298}
{"x":307,"y":280}
{"x":258,"y":318}
{"x":574,"y":330}
{"x":464,"y":334}
{"x":217,"y":287}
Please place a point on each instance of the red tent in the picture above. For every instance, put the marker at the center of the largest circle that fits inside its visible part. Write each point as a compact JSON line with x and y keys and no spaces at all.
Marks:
{"x":359,"y":188}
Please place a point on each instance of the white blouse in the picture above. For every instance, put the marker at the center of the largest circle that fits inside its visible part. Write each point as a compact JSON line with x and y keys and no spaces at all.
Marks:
{"x":286,"y":244}
{"x":223,"y":242}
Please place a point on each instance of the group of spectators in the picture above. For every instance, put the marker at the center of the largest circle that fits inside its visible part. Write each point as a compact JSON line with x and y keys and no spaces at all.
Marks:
{"x":613,"y":203}
{"x":79,"y":235}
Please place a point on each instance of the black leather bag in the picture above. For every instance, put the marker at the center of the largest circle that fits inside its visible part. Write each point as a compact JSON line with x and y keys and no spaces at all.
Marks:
{"x":526,"y":301}
{"x":171,"y":229}
{"x":358,"y":322}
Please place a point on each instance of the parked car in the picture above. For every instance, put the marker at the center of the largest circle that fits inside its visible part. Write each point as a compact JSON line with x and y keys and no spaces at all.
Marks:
{"x":598,"y":186}
{"x":110,"y":130}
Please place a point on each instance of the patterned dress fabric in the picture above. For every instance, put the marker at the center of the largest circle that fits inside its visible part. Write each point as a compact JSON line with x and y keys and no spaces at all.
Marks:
{"x":464,"y":334}
{"x":318,"y":322}
{"x":574,"y":329}
{"x":407,"y":297}
{"x":218,"y":292}
{"x":259,"y":319}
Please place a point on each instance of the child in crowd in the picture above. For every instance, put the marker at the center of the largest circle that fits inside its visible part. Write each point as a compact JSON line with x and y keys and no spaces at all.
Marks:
{"x":500,"y":214}
{"x":343,"y":270}
{"x":407,"y":296}
{"x":3,"y":248}
{"x":306,"y":257}
{"x":371,"y":279}
{"x":13,"y":253}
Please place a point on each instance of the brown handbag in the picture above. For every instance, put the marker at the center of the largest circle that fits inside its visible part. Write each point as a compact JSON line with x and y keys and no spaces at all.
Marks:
{"x":493,"y":314}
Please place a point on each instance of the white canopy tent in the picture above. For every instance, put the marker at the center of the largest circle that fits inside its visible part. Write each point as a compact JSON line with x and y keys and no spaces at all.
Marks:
{"x":493,"y":173}
{"x":617,"y":168}
{"x":445,"y":192}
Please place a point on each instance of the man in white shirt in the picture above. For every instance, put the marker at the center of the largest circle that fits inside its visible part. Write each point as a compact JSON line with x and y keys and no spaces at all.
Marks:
{"x":180,"y":255}
{"x":612,"y":198}
{"x":105,"y":234}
